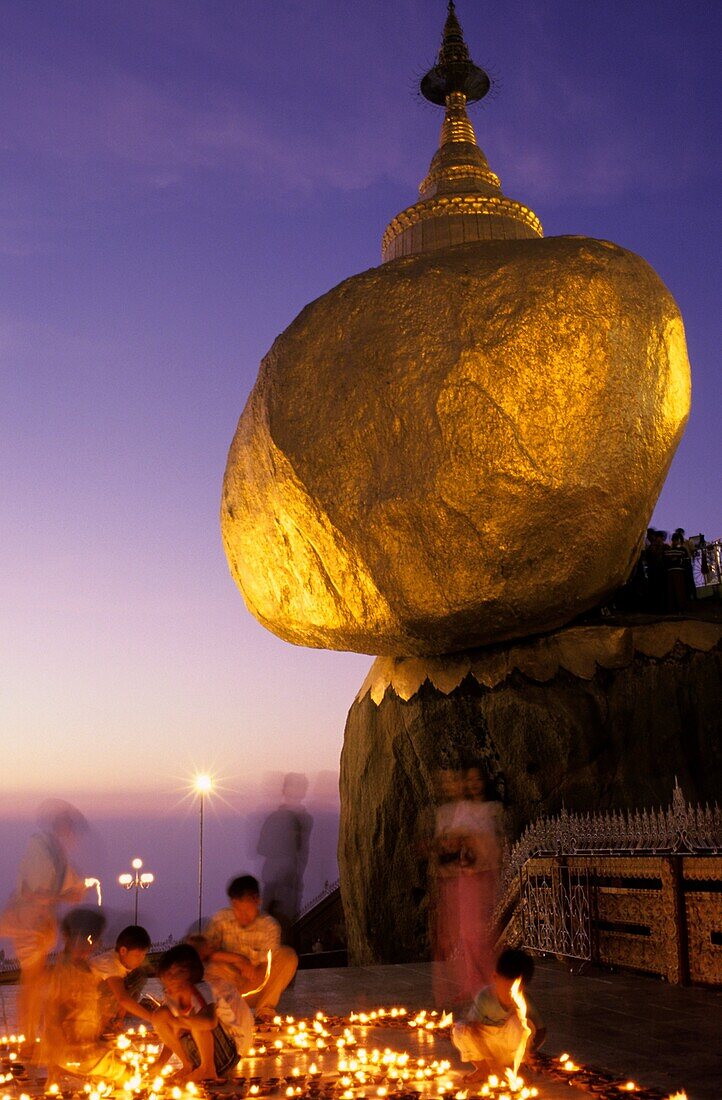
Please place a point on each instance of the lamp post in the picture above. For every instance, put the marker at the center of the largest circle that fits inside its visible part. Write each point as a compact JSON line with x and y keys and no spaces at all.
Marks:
{"x":203,"y":785}
{"x":136,"y":881}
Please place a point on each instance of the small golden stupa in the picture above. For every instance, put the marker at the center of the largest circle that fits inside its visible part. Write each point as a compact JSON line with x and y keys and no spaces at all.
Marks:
{"x":465,"y":444}
{"x":461,"y":199}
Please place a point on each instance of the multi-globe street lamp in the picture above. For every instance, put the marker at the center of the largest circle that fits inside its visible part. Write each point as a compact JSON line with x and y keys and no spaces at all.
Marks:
{"x":203,"y":785}
{"x":137,"y":881}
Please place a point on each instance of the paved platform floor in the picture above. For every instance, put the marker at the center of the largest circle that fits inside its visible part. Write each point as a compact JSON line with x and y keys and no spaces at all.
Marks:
{"x":661,"y":1036}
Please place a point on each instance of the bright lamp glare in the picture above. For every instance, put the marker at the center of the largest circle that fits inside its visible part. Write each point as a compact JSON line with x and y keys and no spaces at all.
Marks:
{"x":146,"y":878}
{"x":125,"y":880}
{"x":136,"y":864}
{"x":203,"y":784}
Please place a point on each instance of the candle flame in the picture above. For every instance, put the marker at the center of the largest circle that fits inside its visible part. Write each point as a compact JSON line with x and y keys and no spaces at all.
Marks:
{"x":518,"y":998}
{"x":90,"y":882}
{"x":252,"y":992}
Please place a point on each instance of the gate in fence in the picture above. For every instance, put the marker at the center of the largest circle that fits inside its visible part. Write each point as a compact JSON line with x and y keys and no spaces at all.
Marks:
{"x":556,"y":913}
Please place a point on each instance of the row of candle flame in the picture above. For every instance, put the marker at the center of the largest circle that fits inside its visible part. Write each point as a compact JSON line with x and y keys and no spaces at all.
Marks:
{"x":358,"y":1072}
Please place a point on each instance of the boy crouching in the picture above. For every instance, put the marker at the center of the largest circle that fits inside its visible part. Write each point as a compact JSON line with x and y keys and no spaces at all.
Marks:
{"x":188,"y":1023}
{"x":493,"y":1030}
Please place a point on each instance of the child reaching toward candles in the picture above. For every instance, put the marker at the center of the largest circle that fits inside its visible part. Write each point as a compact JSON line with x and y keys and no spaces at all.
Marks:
{"x":493,"y":1033}
{"x":122,"y":975}
{"x":188,"y":1023}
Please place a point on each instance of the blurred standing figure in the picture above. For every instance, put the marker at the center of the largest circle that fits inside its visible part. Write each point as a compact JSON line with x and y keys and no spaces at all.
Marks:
{"x":468,"y":853}
{"x":283,"y":842}
{"x":478,"y":882}
{"x":46,"y":880}
{"x":445,"y":863}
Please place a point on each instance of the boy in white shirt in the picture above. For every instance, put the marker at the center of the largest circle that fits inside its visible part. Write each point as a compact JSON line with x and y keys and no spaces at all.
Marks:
{"x":122,"y":975}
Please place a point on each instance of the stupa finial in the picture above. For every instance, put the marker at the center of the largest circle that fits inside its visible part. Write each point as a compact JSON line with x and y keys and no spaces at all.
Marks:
{"x":454,"y":70}
{"x":460,"y":197}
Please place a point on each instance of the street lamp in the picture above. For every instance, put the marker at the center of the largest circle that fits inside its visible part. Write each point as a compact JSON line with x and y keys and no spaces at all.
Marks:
{"x":136,"y":881}
{"x":203,"y":785}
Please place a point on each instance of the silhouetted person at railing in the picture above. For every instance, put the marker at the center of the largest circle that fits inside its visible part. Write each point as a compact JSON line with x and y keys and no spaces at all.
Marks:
{"x":46,"y":880}
{"x":632,"y":596}
{"x":284,"y":843}
{"x":677,"y":565}
{"x":656,"y":567}
{"x":679,"y":539}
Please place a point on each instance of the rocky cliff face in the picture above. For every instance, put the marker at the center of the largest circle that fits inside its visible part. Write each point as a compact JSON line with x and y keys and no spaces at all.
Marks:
{"x":591,"y":718}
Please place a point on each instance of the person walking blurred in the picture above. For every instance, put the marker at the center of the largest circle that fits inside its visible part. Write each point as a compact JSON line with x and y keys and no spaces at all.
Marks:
{"x":46,"y":880}
{"x":467,"y":855}
{"x":284,"y":844}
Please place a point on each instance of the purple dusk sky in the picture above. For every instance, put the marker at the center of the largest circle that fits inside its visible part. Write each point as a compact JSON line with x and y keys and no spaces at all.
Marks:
{"x":178,"y":180}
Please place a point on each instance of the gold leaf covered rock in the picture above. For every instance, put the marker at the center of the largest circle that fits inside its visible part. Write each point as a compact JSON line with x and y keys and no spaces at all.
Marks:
{"x":457,"y":447}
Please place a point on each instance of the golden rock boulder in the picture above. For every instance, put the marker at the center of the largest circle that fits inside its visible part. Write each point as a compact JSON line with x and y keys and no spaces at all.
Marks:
{"x":456,"y":448}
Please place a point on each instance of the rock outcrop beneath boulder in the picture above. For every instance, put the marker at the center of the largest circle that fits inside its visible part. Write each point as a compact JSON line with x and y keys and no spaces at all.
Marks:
{"x":591,"y":718}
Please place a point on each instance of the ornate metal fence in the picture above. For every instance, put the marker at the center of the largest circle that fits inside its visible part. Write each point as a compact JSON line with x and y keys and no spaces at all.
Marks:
{"x":641,"y":890}
{"x":556,"y":913}
{"x":707,"y":562}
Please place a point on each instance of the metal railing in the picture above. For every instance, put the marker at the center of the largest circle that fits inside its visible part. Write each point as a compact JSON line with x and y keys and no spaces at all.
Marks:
{"x":638,"y":889}
{"x":681,"y":828}
{"x":328,"y":889}
{"x":10,"y":964}
{"x":707,"y":563}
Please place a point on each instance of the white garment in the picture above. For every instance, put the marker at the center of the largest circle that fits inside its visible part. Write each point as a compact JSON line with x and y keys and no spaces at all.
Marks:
{"x":233,"y":1011}
{"x":107,"y":965}
{"x":497,"y":1046}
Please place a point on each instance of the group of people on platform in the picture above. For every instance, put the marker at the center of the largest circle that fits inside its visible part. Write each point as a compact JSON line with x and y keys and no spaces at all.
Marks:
{"x":662,"y":581}
{"x":218,"y":985}
{"x":668,"y":568}
{"x":224,"y":982}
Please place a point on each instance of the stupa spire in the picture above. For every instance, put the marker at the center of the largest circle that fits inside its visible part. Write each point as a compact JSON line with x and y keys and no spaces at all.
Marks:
{"x":454,"y":70}
{"x":461,"y":198}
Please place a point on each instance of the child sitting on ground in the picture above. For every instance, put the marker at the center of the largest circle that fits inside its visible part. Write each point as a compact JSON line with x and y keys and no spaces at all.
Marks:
{"x":222,"y":976}
{"x":188,"y":1023}
{"x":122,"y":975}
{"x":72,"y":1025}
{"x":493,"y":1032}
